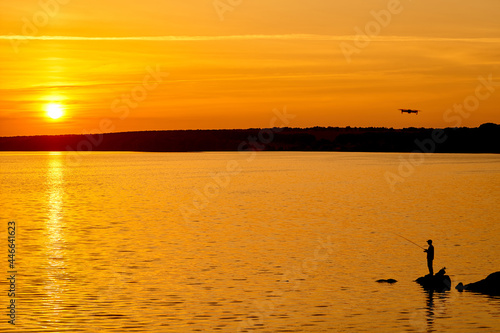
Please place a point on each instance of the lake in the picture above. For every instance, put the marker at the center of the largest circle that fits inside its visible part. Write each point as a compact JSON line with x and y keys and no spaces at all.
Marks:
{"x":248,"y":242}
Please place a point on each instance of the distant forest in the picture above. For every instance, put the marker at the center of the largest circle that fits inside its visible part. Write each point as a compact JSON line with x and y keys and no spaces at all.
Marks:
{"x":483,"y":139}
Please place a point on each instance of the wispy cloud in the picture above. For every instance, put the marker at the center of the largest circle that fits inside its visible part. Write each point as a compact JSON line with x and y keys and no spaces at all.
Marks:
{"x":253,"y":37}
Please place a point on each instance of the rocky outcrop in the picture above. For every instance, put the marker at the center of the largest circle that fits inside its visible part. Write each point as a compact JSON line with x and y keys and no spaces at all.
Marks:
{"x":488,"y":286}
{"x":439,"y":282}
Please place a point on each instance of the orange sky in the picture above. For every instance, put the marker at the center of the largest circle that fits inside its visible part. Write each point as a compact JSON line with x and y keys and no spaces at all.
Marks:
{"x":230,"y":66}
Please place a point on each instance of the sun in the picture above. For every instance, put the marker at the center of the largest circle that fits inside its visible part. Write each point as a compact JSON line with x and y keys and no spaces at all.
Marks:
{"x":54,"y":110}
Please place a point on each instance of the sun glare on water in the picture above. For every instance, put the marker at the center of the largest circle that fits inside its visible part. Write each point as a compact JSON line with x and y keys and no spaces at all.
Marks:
{"x":54,"y":110}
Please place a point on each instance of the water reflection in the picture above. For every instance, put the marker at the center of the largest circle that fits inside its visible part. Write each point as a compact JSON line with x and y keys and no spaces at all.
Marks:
{"x":436,"y":308}
{"x":55,"y":191}
{"x":54,"y":244}
{"x":430,"y":310}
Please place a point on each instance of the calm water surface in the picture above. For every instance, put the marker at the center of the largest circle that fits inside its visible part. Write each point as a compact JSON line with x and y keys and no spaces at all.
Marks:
{"x":228,"y":242}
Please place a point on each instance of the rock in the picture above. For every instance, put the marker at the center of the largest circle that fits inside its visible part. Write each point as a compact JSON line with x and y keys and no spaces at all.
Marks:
{"x":488,"y":286}
{"x":391,"y":281}
{"x":439,"y":282}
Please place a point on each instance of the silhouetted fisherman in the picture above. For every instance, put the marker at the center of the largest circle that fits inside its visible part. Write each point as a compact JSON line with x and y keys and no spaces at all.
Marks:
{"x":430,"y":256}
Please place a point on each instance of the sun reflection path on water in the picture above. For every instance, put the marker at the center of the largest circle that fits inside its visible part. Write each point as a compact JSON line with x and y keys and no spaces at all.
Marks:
{"x":55,"y":242}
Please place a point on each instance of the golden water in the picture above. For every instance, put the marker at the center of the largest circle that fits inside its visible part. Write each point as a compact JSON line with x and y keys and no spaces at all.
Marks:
{"x":280,"y":242}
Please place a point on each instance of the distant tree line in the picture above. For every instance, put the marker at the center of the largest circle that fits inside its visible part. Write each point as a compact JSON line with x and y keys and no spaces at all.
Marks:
{"x":483,"y":139}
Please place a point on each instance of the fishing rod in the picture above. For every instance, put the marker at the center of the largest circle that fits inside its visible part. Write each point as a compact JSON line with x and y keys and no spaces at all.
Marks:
{"x":409,"y":241}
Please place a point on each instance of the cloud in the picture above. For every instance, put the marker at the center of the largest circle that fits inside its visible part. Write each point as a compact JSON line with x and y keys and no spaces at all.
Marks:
{"x":305,"y":37}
